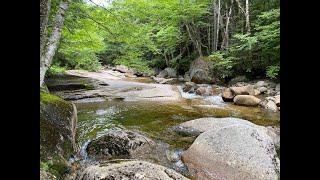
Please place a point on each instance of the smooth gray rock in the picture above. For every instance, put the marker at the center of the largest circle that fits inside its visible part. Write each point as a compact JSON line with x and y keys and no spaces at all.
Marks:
{"x":129,"y":170}
{"x":231,"y":148}
{"x":246,"y":100}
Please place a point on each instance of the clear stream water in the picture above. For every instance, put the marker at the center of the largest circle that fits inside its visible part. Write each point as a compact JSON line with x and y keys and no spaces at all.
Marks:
{"x":155,"y":119}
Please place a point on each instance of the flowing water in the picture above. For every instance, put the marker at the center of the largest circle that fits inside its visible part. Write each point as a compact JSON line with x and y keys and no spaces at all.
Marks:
{"x":155,"y":120}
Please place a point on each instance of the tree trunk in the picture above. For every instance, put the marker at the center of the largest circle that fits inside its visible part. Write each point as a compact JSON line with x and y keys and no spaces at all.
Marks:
{"x":45,"y":6}
{"x":52,"y":44}
{"x":247,"y":17}
{"x":195,"y":42}
{"x":225,"y":42}
{"x":217,"y":26}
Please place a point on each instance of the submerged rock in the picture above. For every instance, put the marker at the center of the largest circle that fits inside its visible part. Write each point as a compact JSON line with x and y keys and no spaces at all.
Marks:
{"x":246,"y":100}
{"x":129,"y":170}
{"x":119,"y":144}
{"x":58,"y":119}
{"x":231,"y":148}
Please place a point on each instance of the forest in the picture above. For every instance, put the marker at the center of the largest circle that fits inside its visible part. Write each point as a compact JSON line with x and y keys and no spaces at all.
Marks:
{"x":240,"y":37}
{"x":160,"y":89}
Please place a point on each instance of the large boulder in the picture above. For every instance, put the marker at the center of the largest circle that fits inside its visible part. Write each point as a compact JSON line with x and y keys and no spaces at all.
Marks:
{"x":227,"y":95}
{"x":245,"y":90}
{"x":246,"y":100}
{"x":134,"y":170}
{"x":231,"y":148}
{"x":58,"y":119}
{"x":172,"y":73}
{"x":200,"y":71}
{"x":119,"y":144}
{"x":167,"y":72}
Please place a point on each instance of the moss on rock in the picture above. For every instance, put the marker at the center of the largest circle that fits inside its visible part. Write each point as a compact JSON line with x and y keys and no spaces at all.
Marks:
{"x":57,"y":132}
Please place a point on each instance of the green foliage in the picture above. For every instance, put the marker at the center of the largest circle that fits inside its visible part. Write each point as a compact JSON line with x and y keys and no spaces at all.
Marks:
{"x":81,"y":39}
{"x":273,"y":71}
{"x":258,"y":52}
{"x":55,"y":69}
{"x":222,"y":66}
{"x":45,"y":165}
{"x":144,"y":34}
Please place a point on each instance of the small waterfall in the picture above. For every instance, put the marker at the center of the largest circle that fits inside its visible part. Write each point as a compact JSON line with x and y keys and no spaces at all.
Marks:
{"x":215,"y":100}
{"x":83,"y":153}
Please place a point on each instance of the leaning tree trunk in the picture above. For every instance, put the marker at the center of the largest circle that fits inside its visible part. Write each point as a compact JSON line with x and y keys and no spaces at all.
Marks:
{"x":52,"y":43}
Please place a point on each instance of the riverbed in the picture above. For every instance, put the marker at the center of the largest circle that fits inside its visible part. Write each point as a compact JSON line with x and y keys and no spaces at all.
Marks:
{"x":155,"y":118}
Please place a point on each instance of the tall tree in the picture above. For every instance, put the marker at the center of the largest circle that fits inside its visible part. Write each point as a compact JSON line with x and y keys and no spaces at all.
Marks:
{"x":50,"y":45}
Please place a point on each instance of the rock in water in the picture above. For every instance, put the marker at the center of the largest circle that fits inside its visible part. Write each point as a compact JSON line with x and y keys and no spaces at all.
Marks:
{"x":261,"y":84}
{"x":188,"y":86}
{"x":246,"y":100}
{"x":119,"y":144}
{"x":227,"y":95}
{"x":243,"y":90}
{"x":58,"y":119}
{"x":263,"y":89}
{"x":232,"y":149}
{"x":133,"y":170}
{"x":271,"y":106}
{"x":201,"y":91}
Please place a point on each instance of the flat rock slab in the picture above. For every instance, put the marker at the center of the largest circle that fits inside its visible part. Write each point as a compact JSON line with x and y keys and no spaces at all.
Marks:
{"x":130,"y":170}
{"x":131,"y":91}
